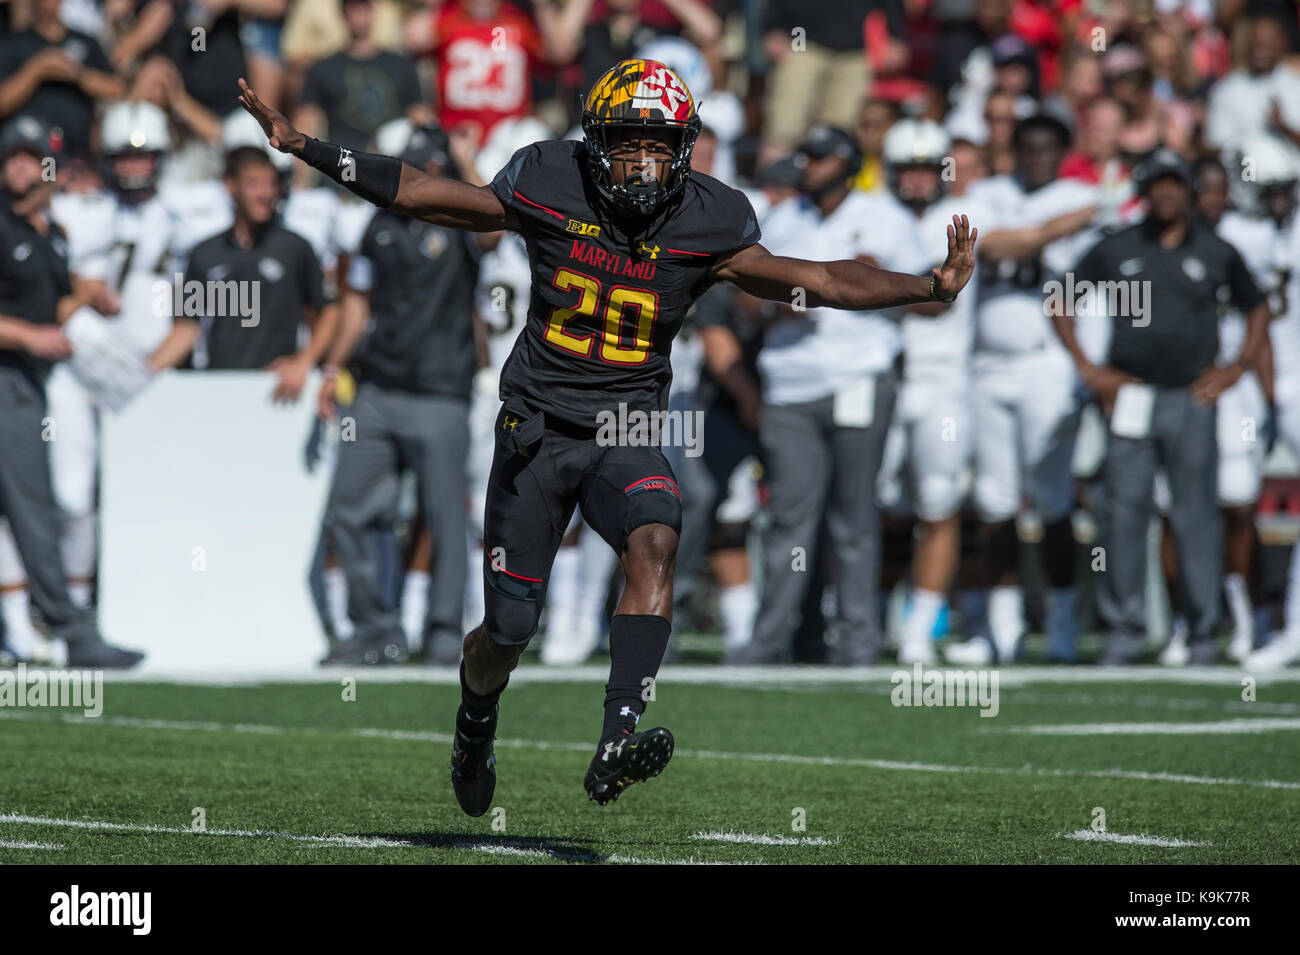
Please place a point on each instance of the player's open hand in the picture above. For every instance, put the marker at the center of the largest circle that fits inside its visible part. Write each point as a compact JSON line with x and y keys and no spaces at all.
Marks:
{"x":279,"y":133}
{"x":956,"y":270}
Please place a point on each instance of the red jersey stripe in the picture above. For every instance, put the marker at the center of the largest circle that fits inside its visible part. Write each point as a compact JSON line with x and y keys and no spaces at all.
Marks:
{"x":538,"y":205}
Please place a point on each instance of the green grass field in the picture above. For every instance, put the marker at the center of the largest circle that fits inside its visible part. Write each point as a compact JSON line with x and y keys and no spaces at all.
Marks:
{"x":291,"y":773}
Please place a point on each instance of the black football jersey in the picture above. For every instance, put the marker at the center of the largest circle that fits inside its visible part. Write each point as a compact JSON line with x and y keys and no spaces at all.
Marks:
{"x":608,"y":293}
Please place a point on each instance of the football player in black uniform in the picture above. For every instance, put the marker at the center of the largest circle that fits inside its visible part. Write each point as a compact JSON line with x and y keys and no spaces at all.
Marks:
{"x":622,"y":238}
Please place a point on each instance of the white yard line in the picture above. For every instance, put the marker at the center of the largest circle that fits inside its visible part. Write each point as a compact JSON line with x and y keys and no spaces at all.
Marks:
{"x":763,"y":839}
{"x":524,"y":848}
{"x":1020,"y":697}
{"x":10,"y":844}
{"x":1220,"y":727}
{"x":1090,"y":835}
{"x":579,"y":747}
{"x":335,"y":841}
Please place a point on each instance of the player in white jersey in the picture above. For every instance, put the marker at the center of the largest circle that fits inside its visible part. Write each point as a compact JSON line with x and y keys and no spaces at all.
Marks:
{"x":1278,"y":201}
{"x":1242,"y":409}
{"x":931,"y":440}
{"x":122,"y":242}
{"x":828,"y":394}
{"x":1025,"y":399}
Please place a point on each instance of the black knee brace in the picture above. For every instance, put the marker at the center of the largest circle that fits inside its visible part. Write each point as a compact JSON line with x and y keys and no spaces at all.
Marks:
{"x":512,"y":606}
{"x":654,"y":500}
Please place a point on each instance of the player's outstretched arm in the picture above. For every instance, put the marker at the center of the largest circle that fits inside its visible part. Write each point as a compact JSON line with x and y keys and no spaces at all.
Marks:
{"x":383,"y":180}
{"x":849,"y":284}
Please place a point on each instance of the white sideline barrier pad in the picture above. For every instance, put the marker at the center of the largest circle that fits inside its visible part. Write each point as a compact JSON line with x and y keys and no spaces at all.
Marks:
{"x":208,"y":522}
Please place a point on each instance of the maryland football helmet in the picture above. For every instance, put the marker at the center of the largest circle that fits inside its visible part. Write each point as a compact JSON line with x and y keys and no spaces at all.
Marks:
{"x":640,"y":96}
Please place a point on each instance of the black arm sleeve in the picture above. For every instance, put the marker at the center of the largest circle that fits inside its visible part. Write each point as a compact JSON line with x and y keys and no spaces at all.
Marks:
{"x":372,"y":177}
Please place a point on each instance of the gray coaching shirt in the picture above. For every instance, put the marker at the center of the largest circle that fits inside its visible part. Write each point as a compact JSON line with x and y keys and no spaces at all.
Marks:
{"x":33,"y":277}
{"x":251,"y":323}
{"x":421,"y":279}
{"x":1178,"y":336}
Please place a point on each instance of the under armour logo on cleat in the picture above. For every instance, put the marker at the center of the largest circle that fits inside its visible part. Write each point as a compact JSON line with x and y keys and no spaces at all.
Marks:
{"x":611,"y":749}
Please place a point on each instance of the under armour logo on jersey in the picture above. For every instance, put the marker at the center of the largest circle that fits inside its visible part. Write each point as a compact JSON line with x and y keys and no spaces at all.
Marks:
{"x":510,"y":424}
{"x":647,"y":251}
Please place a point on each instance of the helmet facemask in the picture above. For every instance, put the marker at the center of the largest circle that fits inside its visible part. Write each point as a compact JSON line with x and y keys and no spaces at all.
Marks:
{"x":643,"y":194}
{"x":133,"y":186}
{"x":918,"y":202}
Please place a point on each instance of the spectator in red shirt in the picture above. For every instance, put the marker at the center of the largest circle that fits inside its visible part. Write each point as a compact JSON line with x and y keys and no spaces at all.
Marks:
{"x":1097,"y":146}
{"x":485,"y":52}
{"x":599,"y":35}
{"x":1081,"y":86}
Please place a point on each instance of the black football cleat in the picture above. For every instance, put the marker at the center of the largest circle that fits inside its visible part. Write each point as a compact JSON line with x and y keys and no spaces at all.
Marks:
{"x":473,"y":772}
{"x":625,"y":760}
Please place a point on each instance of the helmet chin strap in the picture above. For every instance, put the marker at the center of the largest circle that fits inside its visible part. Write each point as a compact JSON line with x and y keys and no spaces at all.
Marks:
{"x":644,"y":186}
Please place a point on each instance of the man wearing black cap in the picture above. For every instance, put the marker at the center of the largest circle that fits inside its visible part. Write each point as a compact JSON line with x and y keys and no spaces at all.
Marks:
{"x":414,"y":283}
{"x":35,"y":297}
{"x":1158,"y":283}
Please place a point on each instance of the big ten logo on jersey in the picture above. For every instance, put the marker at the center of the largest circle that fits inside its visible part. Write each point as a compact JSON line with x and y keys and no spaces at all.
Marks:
{"x":583,"y":228}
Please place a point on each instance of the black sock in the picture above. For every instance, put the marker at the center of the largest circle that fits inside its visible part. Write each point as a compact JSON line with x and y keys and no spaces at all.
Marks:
{"x":636,"y":648}
{"x":477,"y":716}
